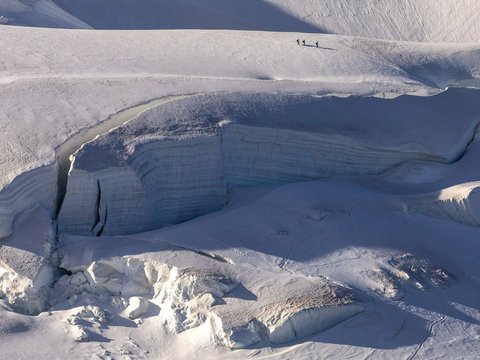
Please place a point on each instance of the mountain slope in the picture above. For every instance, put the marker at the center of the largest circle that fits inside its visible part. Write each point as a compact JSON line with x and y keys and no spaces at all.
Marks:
{"x":408,"y":20}
{"x":41,"y":13}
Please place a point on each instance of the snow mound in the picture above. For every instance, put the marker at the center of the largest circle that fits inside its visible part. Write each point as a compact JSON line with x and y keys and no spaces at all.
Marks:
{"x":86,"y":321}
{"x":460,"y":203}
{"x":303,"y":307}
{"x":11,"y":323}
{"x":309,"y":321}
{"x":142,"y":175}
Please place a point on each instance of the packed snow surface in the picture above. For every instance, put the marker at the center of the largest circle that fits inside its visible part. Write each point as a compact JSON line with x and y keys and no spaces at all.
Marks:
{"x":186,"y":192}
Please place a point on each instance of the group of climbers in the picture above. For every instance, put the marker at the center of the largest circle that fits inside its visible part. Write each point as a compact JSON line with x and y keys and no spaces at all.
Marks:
{"x":304,"y":44}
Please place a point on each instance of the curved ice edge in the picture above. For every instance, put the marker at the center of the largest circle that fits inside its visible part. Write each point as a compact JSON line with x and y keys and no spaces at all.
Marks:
{"x":239,"y":140}
{"x":461,"y":203}
{"x":311,"y":321}
{"x":36,"y":187}
{"x":298,"y":325}
{"x":44,"y":182}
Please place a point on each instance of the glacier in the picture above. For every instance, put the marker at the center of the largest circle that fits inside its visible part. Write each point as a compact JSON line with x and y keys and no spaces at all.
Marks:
{"x":196,"y":193}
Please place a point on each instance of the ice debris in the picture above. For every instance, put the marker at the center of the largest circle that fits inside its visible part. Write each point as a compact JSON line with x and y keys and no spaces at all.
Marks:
{"x":407,"y":269}
{"x":87,"y":320}
{"x":137,"y":307}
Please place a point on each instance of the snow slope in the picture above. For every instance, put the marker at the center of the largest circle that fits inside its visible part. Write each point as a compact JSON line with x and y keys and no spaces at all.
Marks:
{"x":409,"y":20}
{"x":42,"y":13}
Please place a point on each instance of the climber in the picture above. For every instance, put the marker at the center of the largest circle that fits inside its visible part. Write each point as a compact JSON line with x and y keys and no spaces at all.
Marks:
{"x":303,"y":42}
{"x":298,"y":41}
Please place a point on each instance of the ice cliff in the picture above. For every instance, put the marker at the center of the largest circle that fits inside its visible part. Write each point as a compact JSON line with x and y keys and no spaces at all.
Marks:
{"x":178,"y":161}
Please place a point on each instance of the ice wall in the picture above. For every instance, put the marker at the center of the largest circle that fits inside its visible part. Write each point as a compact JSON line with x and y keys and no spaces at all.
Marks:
{"x":178,"y":161}
{"x":258,"y":155}
{"x":164,"y":182}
